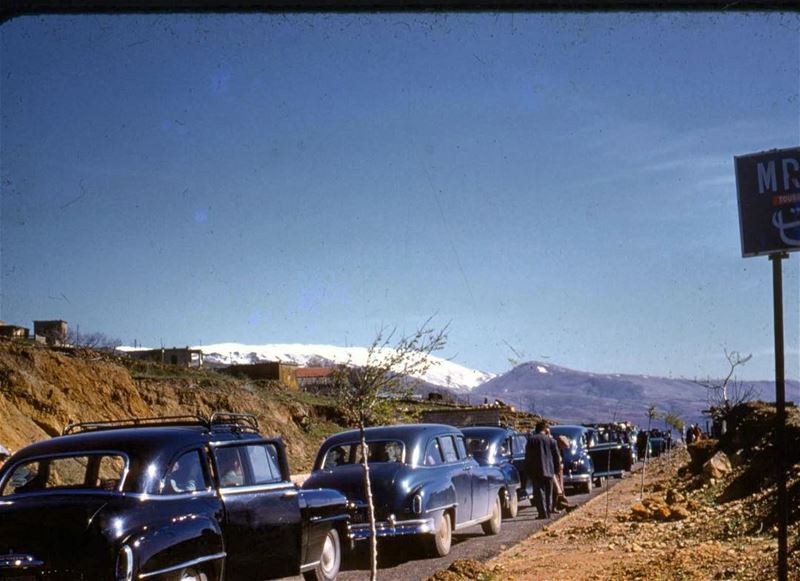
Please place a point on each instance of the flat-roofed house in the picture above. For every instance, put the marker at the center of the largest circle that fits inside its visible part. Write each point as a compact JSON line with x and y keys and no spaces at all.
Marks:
{"x":14,"y":332}
{"x":54,"y":332}
{"x":267,"y":370}
{"x":315,"y":379}
{"x":182,"y":356}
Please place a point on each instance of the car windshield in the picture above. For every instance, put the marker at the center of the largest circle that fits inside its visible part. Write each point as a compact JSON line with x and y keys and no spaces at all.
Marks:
{"x":476,"y":446}
{"x":384,"y":451}
{"x":86,"y":471}
{"x":572,"y":435}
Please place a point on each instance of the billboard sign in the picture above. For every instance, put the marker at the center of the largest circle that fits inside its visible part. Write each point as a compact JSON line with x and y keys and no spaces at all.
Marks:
{"x":768,"y":185}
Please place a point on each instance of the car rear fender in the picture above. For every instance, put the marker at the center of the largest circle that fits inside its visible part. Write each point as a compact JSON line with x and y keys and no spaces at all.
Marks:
{"x":437,"y":496}
{"x":164,"y":546}
{"x":510,"y":476}
{"x":321,"y":510}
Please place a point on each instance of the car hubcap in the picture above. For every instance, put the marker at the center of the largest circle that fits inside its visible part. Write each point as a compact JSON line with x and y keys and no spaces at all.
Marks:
{"x":193,"y":575}
{"x":444,"y":533}
{"x":329,"y":556}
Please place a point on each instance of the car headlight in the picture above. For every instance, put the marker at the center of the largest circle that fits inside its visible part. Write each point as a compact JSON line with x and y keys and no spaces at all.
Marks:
{"x":416,"y":504}
{"x":124,"y":564}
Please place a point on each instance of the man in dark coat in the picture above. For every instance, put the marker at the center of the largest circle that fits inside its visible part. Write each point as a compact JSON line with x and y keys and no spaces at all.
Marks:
{"x":540,"y":453}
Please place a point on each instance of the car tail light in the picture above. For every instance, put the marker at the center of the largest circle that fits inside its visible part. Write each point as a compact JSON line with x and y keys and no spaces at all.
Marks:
{"x":416,"y":504}
{"x":125,"y":564}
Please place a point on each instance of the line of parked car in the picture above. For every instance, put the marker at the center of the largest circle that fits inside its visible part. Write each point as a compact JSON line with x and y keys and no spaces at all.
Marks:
{"x":205,"y":499}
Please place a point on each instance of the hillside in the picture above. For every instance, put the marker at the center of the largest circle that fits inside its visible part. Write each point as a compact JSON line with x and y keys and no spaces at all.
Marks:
{"x":41,"y":390}
{"x":580,"y":396}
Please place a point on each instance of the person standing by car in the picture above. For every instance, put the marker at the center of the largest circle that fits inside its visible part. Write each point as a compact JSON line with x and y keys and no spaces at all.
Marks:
{"x":540,"y":451}
{"x":558,"y":477}
{"x":560,"y":501}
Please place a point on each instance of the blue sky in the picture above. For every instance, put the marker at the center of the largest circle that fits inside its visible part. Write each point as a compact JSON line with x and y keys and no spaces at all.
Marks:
{"x":556,"y":186}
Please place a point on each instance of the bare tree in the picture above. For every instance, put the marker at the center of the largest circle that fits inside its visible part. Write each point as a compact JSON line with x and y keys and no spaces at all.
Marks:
{"x":367,"y":392}
{"x":652,"y":414}
{"x":95,"y":340}
{"x":724,"y":395}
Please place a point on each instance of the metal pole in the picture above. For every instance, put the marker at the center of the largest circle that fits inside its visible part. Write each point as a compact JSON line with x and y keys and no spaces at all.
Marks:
{"x":780,"y":417}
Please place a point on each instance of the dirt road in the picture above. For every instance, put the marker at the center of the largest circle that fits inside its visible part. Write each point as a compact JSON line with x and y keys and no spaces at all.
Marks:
{"x":401,"y":560}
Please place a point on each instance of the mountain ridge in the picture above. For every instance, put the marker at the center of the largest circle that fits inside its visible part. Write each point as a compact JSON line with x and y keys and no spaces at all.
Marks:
{"x":583,"y":396}
{"x":548,"y":389}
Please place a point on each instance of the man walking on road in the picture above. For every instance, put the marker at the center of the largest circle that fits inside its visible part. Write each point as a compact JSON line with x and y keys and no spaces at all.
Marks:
{"x":540,"y":454}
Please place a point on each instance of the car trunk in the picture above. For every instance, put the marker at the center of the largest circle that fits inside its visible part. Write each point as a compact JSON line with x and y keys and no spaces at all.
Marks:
{"x":349,"y":480}
{"x":54,"y":529}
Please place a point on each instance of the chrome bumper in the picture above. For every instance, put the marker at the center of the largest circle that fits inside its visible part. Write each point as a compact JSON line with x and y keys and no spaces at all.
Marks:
{"x":391,"y":528}
{"x":570,"y":479}
{"x":19,"y":562}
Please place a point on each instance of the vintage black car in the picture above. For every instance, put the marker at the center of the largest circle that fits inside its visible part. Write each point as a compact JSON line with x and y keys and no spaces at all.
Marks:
{"x":180,"y":498}
{"x":505,"y":449}
{"x":579,"y":469}
{"x":659,"y":442}
{"x":423,"y":483}
{"x":611,"y":451}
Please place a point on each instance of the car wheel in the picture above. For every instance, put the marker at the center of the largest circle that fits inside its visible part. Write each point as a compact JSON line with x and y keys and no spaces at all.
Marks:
{"x":586,"y":487}
{"x":492,"y":526}
{"x":329,"y":561}
{"x":512,"y":505}
{"x":192,"y":574}
{"x":438,"y":544}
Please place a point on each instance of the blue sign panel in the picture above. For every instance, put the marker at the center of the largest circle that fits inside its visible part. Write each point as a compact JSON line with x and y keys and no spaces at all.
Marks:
{"x":768,"y":185}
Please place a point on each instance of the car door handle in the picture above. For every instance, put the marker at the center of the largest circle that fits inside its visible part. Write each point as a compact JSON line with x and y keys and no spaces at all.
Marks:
{"x":467,"y":468}
{"x":289,"y":494}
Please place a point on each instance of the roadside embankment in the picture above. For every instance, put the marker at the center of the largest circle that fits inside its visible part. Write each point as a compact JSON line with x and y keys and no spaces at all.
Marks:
{"x":705,"y":517}
{"x":41,"y":390}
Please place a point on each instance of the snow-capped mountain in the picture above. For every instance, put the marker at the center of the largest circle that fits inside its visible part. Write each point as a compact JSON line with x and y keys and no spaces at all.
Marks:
{"x":580,"y":396}
{"x":442,"y":373}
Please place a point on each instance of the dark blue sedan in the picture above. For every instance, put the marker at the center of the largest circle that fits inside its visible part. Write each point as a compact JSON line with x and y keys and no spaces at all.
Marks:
{"x":423,"y":483}
{"x":505,"y":449}
{"x":578,"y":465}
{"x":161,"y":499}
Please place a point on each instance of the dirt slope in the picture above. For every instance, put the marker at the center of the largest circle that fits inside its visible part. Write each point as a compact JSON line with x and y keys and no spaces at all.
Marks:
{"x":41,"y":390}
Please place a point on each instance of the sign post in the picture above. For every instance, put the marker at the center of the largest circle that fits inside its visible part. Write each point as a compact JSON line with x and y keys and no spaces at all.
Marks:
{"x":768,"y":185}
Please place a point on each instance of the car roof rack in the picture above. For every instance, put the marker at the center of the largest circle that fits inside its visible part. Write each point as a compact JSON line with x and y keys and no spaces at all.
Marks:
{"x":232,"y":421}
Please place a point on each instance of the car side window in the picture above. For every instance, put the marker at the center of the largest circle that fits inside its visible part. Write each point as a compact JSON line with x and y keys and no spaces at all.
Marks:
{"x":462,"y":448}
{"x":264,"y":462}
{"x":505,"y":447}
{"x":433,"y":454}
{"x":186,"y":475}
{"x":448,"y":448}
{"x":230,"y":466}
{"x":520,"y":445}
{"x":336,"y":456}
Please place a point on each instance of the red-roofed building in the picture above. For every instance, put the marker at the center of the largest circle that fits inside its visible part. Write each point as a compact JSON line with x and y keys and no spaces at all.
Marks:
{"x":315,"y":379}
